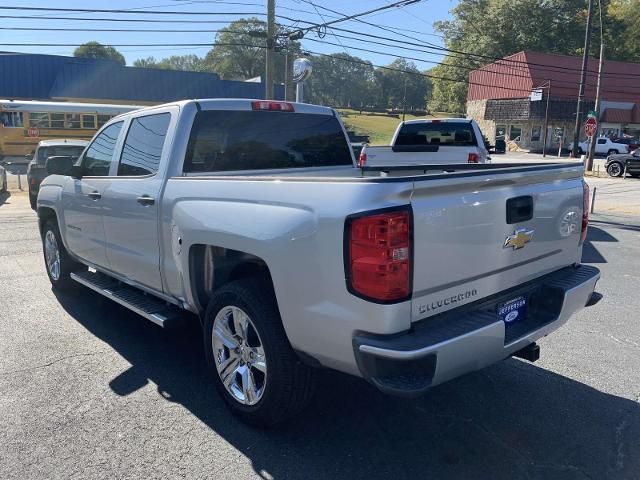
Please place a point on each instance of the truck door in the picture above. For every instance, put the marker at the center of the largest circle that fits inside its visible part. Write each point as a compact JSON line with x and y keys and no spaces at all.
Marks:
{"x":82,"y":199}
{"x":131,"y":199}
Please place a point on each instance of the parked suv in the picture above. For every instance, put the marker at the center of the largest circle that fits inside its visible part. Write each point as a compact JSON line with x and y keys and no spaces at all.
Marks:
{"x":616,"y":164}
{"x":36,"y":171}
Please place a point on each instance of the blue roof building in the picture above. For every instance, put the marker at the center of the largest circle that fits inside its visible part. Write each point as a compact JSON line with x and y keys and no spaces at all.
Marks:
{"x":54,"y":77}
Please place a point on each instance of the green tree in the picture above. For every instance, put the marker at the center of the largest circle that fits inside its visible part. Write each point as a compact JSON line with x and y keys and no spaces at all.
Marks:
{"x":400,"y":84}
{"x":623,"y":25}
{"x":234,"y":58}
{"x":192,"y":63}
{"x":340,"y":80}
{"x":97,"y":50}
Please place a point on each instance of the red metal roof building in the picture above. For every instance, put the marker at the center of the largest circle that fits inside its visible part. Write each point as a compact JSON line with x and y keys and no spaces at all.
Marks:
{"x":499,"y":97}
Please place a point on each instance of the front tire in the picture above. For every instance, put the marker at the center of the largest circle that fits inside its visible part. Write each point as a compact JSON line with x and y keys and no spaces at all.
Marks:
{"x":57,"y":261}
{"x":614,"y":169}
{"x":612,"y":152}
{"x":255,"y":370}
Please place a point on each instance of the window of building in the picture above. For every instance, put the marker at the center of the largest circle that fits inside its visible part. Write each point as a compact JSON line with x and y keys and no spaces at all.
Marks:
{"x":88,"y":121}
{"x":102,"y":119}
{"x":72,"y":120}
{"x":142,"y":148}
{"x":39,"y":119}
{"x":501,"y":132}
{"x":97,"y":161}
{"x":515,"y":133}
{"x":536,"y":132}
{"x":57,"y":120}
{"x":11,"y":119}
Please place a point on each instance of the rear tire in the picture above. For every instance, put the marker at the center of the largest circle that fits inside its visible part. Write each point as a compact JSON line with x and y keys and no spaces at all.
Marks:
{"x":57,"y":261}
{"x":33,"y":200}
{"x":255,"y":370}
{"x":3,"y":187}
{"x":615,"y":169}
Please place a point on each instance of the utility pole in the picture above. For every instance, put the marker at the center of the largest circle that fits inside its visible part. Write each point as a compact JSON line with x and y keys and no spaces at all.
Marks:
{"x":592,"y":143}
{"x":404,"y":98}
{"x":271,"y":45}
{"x":583,"y":78}
{"x":288,"y":75}
{"x":546,"y":120}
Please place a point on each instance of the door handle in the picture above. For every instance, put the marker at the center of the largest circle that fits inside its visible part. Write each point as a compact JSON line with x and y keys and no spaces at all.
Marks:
{"x":146,"y":200}
{"x":95,"y":195}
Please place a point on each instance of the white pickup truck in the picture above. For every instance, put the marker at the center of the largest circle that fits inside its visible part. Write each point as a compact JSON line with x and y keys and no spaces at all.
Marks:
{"x":429,"y":141}
{"x":604,"y":146}
{"x":253,"y":216}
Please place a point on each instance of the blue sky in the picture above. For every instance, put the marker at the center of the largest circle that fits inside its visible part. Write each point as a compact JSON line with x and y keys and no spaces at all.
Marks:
{"x":416,"y":20}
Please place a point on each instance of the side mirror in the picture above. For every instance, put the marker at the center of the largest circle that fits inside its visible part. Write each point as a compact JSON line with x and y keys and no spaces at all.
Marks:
{"x":60,"y":165}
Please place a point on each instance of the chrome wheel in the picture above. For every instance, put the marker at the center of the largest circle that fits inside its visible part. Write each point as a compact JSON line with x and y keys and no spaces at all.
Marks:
{"x":52,"y":255}
{"x":614,"y":169}
{"x":239,"y":355}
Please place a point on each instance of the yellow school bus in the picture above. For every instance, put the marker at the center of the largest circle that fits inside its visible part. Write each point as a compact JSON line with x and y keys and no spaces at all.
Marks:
{"x":23,"y":123}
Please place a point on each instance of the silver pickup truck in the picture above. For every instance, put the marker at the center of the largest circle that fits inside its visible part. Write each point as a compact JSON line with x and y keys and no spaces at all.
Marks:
{"x":254,"y":217}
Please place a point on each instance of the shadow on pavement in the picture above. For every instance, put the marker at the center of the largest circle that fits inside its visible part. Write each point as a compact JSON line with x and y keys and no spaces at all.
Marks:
{"x":590,"y":254}
{"x":4,"y":196}
{"x":512,"y":420}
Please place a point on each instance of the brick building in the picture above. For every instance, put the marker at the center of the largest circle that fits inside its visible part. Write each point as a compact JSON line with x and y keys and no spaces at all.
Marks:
{"x":499,"y":98}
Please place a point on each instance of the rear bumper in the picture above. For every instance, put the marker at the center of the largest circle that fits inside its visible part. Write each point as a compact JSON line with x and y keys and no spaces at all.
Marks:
{"x":446,"y":346}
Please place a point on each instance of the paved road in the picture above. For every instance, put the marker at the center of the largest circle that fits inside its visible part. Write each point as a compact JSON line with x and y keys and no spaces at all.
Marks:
{"x":89,"y":390}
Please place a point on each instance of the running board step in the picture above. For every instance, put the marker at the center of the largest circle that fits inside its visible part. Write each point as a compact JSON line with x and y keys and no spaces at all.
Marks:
{"x":147,"y":306}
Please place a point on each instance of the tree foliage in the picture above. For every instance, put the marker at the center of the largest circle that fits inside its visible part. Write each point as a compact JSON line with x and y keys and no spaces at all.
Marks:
{"x":191,"y":63}
{"x":497,"y":28}
{"x":233,"y":57}
{"x":97,"y":50}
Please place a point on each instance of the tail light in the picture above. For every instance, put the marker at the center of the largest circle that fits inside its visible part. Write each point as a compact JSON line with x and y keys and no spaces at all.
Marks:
{"x":378,"y":255}
{"x":362,"y":158}
{"x":473,"y":158}
{"x":272,"y":106}
{"x":585,"y":212}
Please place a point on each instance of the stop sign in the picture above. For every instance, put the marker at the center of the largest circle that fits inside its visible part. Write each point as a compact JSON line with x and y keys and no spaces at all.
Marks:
{"x":33,"y":132}
{"x":591,"y":126}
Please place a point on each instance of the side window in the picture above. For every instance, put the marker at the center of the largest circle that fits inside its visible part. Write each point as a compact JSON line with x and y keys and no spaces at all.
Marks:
{"x":143,"y":145}
{"x":602,"y":141}
{"x":97,"y":159}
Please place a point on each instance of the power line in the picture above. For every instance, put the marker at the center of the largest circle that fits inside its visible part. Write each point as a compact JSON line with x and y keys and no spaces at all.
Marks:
{"x":130,"y":20}
{"x":460,"y":54}
{"x":125,"y":11}
{"x":354,"y":16}
{"x":494,"y":72}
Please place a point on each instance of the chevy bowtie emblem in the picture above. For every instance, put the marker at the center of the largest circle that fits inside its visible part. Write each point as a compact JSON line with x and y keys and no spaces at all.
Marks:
{"x":519,"y":238}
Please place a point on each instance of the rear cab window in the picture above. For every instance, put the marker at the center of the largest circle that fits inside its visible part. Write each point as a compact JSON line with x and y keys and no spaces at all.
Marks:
{"x":58,"y":150}
{"x":261,"y":140}
{"x":448,"y":134}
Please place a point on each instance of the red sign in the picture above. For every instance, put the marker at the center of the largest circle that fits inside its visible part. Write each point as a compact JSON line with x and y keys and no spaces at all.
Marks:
{"x":591,"y":126}
{"x":33,"y":132}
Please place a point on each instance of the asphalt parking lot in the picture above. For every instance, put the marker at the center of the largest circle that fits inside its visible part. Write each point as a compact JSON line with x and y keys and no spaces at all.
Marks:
{"x":90,"y":390}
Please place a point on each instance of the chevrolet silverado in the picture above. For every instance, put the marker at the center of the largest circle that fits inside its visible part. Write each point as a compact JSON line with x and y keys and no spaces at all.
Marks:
{"x":254,"y":217}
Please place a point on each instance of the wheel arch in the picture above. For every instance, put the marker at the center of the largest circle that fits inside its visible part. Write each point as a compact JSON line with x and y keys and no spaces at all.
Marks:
{"x":211,"y":267}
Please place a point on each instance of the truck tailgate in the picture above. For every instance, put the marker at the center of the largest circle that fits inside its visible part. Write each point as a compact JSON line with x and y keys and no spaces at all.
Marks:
{"x":385,"y":156}
{"x":462,"y":251}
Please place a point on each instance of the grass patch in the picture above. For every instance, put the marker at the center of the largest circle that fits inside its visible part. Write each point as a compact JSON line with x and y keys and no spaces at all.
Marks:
{"x":379,"y":127}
